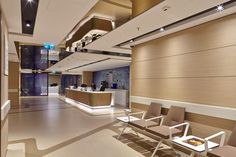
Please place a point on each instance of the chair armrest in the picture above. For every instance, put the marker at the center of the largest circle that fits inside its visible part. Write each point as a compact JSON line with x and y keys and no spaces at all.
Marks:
{"x":159,"y":117}
{"x":136,"y":113}
{"x":222,"y":139}
{"x":127,"y":111}
{"x":178,"y":125}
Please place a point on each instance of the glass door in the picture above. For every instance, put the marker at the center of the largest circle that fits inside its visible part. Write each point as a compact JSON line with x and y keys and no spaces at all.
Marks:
{"x":34,"y":84}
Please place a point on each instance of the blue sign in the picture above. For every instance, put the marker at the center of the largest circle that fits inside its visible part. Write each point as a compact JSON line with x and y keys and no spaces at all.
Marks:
{"x":49,"y":46}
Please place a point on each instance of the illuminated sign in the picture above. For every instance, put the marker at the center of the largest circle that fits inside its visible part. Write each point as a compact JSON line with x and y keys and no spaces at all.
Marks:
{"x":49,"y":46}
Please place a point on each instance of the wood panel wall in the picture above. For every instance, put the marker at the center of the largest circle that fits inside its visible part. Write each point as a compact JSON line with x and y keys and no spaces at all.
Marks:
{"x":195,"y":65}
{"x":87,"y":77}
{"x":54,"y":79}
{"x":140,"y":6}
{"x":13,"y":84}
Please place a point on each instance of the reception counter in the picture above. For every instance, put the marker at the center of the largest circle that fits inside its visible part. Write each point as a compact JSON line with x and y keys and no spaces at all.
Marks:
{"x":93,"y":99}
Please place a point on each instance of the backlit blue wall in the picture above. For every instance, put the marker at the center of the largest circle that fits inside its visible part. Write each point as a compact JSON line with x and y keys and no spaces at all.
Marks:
{"x":118,"y":75}
{"x":69,"y":80}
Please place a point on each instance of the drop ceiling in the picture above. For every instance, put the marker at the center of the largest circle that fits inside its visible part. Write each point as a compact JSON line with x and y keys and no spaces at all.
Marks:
{"x":55,"y":19}
{"x":156,"y":18}
{"x":118,"y":11}
{"x":53,"y":25}
{"x":78,"y":62}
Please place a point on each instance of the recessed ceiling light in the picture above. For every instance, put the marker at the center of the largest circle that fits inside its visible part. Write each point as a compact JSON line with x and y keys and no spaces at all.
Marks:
{"x":131,"y":41}
{"x":27,"y":23}
{"x":162,"y":29}
{"x":220,"y":8}
{"x":30,"y":1}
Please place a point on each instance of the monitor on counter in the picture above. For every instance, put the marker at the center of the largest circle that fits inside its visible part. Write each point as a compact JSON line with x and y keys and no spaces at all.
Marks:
{"x":102,"y":88}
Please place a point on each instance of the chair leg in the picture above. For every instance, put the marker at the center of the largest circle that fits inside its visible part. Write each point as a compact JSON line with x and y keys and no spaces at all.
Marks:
{"x":157,"y":147}
{"x":171,"y":145}
{"x":136,"y":132}
{"x":123,"y":130}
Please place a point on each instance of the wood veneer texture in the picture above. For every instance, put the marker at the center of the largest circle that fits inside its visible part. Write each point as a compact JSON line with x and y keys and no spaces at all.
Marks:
{"x":13,"y":84}
{"x":100,"y":99}
{"x":87,"y":77}
{"x":54,"y":79}
{"x":140,"y":6}
{"x":195,"y":65}
{"x":90,"y":98}
{"x":94,"y":23}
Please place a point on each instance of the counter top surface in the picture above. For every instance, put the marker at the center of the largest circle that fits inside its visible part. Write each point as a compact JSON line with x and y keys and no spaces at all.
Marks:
{"x":110,"y":89}
{"x":90,"y":91}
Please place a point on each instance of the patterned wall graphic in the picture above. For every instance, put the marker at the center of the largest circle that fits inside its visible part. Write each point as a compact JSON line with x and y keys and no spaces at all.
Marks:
{"x":116,"y":78}
{"x":34,"y":57}
{"x":34,"y":84}
{"x":69,"y":80}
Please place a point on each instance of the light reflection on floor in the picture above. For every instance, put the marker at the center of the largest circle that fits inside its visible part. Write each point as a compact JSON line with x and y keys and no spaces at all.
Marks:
{"x":49,"y":127}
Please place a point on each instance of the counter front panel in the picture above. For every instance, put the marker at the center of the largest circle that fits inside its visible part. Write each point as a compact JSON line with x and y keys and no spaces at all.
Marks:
{"x":93,"y":99}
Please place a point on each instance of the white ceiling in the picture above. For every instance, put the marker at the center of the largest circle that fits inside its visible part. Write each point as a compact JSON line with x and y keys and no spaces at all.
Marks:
{"x":151,"y":20}
{"x":107,"y":64}
{"x":80,"y":59}
{"x":55,"y":19}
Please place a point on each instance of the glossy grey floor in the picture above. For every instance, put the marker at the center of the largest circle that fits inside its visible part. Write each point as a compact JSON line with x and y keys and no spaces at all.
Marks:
{"x":48,"y":127}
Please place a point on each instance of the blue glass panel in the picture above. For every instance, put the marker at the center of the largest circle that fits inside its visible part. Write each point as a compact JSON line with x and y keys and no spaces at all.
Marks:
{"x":34,"y":57}
{"x":27,"y":84}
{"x":34,"y":84}
{"x":116,"y":78}
{"x":41,"y":84}
{"x":69,"y":80}
{"x":27,"y":57}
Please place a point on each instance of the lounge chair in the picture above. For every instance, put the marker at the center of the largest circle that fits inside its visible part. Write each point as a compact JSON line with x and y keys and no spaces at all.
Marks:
{"x":173,"y":125}
{"x":149,"y":118}
{"x":228,"y":150}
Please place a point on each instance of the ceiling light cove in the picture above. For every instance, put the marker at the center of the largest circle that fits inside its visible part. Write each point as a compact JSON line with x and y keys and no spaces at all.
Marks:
{"x":28,"y":15}
{"x":162,"y":29}
{"x":220,"y":8}
{"x":209,"y":14}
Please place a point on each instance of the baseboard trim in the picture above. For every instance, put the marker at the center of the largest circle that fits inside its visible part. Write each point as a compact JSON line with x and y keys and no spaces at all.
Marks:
{"x":202,"y":109}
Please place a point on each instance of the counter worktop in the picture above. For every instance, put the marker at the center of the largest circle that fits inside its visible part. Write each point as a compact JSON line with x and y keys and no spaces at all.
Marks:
{"x":90,"y":91}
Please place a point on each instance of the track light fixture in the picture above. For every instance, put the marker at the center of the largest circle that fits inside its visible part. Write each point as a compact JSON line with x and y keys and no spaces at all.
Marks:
{"x":220,"y":8}
{"x":162,"y":29}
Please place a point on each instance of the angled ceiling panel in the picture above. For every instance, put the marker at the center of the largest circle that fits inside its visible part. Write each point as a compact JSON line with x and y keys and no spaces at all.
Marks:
{"x":151,"y":20}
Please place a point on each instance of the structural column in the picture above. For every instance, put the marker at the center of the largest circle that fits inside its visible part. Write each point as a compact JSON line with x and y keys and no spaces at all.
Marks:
{"x":13,"y":84}
{"x":87,"y":77}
